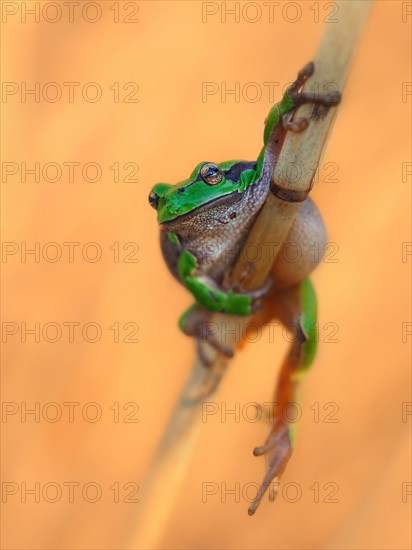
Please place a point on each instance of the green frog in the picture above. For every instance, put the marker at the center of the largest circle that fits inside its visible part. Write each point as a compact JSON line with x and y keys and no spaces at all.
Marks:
{"x":204,"y":221}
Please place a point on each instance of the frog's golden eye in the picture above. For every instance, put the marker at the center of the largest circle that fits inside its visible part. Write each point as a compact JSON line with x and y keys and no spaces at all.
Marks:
{"x":211,"y":173}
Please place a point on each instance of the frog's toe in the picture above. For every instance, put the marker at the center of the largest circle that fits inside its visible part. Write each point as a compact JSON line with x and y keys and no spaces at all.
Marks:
{"x":333,"y":98}
{"x":258,"y":295}
{"x":202,"y":351}
{"x":330,"y":99}
{"x":207,"y":336}
{"x":303,"y":75}
{"x":297,"y":125}
{"x":204,"y":357}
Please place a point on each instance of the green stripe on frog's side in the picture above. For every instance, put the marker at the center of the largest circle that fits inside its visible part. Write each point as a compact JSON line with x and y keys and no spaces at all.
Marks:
{"x":275,"y":114}
{"x":308,"y":320}
{"x":292,"y":434}
{"x":211,"y":298}
{"x":309,"y":324}
{"x":274,"y":117}
{"x":173,"y":238}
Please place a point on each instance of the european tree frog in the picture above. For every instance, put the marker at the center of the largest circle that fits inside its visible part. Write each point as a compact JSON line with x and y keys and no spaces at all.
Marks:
{"x":204,"y":221}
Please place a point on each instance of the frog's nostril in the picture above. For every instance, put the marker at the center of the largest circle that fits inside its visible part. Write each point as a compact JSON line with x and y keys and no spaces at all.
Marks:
{"x":154,"y":199}
{"x":181,"y":189}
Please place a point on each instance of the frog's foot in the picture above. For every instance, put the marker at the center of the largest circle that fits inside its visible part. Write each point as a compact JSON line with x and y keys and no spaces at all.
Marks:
{"x":297,"y":311}
{"x":277,"y":451}
{"x":300,"y":98}
{"x":196,"y":322}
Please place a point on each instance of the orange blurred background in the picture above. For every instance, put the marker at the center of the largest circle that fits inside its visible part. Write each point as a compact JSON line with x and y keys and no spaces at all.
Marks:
{"x":104,"y":309}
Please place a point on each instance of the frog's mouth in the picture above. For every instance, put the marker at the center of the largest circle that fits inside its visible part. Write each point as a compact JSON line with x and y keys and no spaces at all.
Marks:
{"x":224,"y":201}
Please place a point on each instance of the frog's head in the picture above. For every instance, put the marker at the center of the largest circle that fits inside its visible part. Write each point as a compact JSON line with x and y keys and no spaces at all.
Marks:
{"x":208,"y":183}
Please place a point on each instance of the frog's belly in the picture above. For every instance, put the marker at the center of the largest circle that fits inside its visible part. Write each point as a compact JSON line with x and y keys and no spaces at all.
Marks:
{"x":216,"y":256}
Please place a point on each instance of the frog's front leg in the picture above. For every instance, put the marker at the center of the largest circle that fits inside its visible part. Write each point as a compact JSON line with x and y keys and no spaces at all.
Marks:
{"x":293,"y":98}
{"x":210,"y":298}
{"x":207,"y":292}
{"x":298,"y":312}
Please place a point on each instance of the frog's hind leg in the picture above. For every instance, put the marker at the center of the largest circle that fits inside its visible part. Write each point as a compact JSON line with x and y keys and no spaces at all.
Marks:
{"x":296,"y":309}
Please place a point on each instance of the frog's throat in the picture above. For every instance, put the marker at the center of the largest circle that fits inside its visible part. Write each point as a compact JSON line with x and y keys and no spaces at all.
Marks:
{"x":229,"y":199}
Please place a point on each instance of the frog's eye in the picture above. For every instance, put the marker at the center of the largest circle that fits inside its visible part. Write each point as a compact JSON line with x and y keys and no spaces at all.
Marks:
{"x":211,"y":174}
{"x":154,"y":199}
